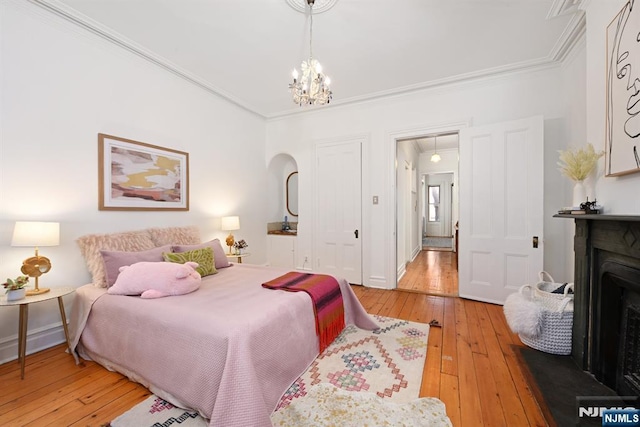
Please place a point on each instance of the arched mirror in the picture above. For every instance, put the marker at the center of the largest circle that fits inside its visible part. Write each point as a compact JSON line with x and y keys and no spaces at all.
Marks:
{"x":292,"y":193}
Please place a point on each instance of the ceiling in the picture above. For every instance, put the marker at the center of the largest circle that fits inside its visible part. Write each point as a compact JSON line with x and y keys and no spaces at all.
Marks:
{"x":441,"y":142}
{"x":245,"y":50}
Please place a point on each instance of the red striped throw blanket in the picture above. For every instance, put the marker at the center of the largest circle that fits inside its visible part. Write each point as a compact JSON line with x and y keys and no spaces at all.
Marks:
{"x":326,"y":297}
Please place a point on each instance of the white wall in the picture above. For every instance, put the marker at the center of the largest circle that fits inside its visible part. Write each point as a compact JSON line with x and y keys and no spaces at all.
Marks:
{"x":408,"y":243}
{"x":618,"y":195}
{"x":573,"y":129}
{"x":60,"y":86}
{"x":480,"y":102}
{"x":584,"y":77}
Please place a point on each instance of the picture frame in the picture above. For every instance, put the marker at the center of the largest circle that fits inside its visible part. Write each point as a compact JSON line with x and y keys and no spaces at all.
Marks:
{"x":136,"y":176}
{"x":622,"y":130}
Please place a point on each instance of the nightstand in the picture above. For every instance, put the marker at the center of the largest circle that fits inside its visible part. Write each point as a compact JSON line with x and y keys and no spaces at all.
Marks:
{"x":238,"y":256}
{"x":24,"y":318}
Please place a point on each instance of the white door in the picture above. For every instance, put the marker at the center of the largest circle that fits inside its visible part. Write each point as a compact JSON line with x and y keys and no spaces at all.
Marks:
{"x":339,"y":210}
{"x":438,"y":204}
{"x":501,"y":208}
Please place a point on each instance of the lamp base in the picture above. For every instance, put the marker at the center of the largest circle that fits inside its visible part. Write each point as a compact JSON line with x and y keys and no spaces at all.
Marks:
{"x":230,"y":241}
{"x":38,"y":291}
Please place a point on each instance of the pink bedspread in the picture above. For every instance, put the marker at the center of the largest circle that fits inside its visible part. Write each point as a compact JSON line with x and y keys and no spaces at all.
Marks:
{"x":228,"y":350}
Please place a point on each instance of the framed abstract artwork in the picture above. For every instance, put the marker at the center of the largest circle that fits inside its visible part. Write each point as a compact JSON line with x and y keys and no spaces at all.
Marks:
{"x":136,"y":176}
{"x":622,"y":139}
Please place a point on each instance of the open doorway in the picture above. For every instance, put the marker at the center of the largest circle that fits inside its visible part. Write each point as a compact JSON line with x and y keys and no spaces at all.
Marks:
{"x":427,"y":213}
{"x":437,"y":211}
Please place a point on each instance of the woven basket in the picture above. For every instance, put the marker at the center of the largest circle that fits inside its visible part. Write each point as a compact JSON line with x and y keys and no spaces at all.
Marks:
{"x":542,"y":292}
{"x":556,"y":327}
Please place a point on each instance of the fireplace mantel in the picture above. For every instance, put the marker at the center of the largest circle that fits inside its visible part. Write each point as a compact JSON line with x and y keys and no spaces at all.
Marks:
{"x":597,"y":237}
{"x":601,"y":217}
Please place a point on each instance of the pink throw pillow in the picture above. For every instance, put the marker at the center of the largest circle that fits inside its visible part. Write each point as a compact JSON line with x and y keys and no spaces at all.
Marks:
{"x":219,"y":257}
{"x":113,"y":260}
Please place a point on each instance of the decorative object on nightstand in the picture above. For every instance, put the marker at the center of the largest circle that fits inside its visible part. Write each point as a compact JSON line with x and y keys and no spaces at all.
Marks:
{"x":240,"y":246}
{"x":15,"y":288}
{"x":230,"y":223}
{"x":36,"y":234}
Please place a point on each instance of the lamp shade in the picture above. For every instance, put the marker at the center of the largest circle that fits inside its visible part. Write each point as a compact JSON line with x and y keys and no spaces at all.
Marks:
{"x":230,"y":223}
{"x":33,"y":233}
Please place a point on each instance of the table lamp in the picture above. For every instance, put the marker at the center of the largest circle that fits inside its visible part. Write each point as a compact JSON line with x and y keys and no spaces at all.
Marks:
{"x":32,"y":233}
{"x":230,"y":223}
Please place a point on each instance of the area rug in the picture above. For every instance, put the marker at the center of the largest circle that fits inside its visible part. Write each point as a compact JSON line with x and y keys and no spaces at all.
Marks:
{"x":385,"y":364}
{"x":438,"y":242}
{"x":387,"y":361}
{"x":154,"y":411}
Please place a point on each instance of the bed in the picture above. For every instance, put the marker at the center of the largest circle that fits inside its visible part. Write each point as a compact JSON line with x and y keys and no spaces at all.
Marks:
{"x":228,"y":350}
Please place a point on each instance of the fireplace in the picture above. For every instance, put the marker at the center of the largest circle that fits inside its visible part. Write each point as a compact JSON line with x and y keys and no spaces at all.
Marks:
{"x":606,"y":323}
{"x":616,"y":328}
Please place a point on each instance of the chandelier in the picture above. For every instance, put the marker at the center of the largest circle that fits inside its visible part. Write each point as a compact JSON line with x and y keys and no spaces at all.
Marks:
{"x":313,"y":86}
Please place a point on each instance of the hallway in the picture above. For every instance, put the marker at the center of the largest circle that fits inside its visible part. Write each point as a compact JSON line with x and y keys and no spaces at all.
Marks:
{"x":432,"y":272}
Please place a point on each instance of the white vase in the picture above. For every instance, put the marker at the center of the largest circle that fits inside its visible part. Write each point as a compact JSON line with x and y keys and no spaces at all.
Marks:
{"x":16,"y":295}
{"x":579,"y":194}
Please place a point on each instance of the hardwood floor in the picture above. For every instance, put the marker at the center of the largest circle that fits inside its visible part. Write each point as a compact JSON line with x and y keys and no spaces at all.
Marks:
{"x":471,"y":366}
{"x":432,"y":272}
{"x":471,"y":362}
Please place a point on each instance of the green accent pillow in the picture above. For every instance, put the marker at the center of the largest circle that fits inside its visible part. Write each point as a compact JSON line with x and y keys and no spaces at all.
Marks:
{"x":204,"y":258}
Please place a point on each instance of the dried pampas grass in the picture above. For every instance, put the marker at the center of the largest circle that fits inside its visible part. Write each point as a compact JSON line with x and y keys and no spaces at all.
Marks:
{"x":578,"y":164}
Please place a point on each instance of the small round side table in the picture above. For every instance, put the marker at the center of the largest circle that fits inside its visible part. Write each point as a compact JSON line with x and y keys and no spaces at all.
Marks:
{"x":238,"y":256}
{"x":24,"y":317}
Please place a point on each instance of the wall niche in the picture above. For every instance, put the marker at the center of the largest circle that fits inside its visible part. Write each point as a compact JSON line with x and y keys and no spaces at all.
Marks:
{"x":283,"y":198}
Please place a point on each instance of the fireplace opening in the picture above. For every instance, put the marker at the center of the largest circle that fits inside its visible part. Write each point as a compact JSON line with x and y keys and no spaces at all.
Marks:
{"x":616,"y":322}
{"x":629,"y":375}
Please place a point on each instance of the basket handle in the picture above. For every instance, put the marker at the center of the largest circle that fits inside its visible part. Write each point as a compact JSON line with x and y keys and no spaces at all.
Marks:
{"x":522,"y":289}
{"x":563,"y":306}
{"x":542,"y":275}
{"x":568,"y":288}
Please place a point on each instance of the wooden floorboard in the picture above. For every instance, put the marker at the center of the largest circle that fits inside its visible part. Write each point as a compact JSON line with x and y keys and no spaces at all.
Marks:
{"x":433,"y":272}
{"x":471,"y":366}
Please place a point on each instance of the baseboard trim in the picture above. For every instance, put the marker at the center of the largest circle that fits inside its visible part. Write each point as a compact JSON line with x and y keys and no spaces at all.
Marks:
{"x":37,"y":340}
{"x":378,"y":282}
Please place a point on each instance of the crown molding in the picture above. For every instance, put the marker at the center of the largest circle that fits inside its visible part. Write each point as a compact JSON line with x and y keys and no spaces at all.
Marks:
{"x":570,"y":37}
{"x":75,"y":17}
{"x":562,"y":7}
{"x":487,"y":74}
